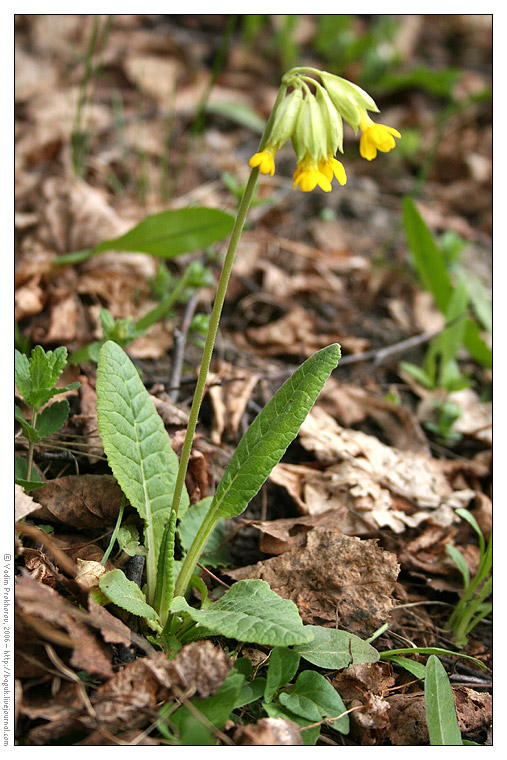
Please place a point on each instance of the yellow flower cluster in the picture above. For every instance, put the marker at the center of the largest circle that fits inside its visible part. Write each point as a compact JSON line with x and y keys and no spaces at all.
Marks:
{"x":311,"y":115}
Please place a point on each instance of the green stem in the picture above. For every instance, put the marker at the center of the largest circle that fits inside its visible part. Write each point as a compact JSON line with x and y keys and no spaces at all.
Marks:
{"x":212,"y":332}
{"x":193,"y":555}
{"x":115,"y":532}
{"x":29,"y":458}
{"x":248,"y":194}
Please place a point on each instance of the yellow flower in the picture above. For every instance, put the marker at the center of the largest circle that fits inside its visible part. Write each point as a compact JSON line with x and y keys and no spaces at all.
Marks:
{"x":375,"y":137}
{"x":308,"y":175}
{"x":265,"y":160}
{"x":332,"y":168}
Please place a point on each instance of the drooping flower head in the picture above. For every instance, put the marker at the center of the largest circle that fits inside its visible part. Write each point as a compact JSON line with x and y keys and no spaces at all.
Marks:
{"x":309,"y":110}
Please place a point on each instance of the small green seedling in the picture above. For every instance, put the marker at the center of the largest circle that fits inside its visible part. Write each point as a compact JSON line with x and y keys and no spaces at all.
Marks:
{"x":172,"y":290}
{"x":473,"y":605}
{"x":36,"y":380}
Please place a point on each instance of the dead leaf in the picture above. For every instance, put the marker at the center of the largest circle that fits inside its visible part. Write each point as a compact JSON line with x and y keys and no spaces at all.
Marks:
{"x":335,"y":580}
{"x":366,"y":686}
{"x":40,"y":605}
{"x":89,"y":573}
{"x":269,"y":732}
{"x":279,"y":536}
{"x":24,"y":505}
{"x":293,"y":334}
{"x":199,"y":669}
{"x":407,"y":715}
{"x":229,"y":389}
{"x":83,"y":501}
{"x":128,"y":698}
{"x":373,"y":479}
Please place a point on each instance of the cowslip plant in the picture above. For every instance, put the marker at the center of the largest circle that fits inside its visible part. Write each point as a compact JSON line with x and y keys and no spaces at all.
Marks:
{"x":36,"y":379}
{"x":308,"y":110}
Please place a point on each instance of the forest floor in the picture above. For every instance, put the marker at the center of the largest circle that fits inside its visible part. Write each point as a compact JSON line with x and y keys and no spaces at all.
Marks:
{"x":376,"y":460}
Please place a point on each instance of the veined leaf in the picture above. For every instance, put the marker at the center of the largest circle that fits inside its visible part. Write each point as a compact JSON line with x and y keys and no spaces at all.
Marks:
{"x":262,"y":447}
{"x":126,"y":594}
{"x":166,"y":234}
{"x":137,"y":447}
{"x":250,"y":612}
{"x":269,"y":435}
{"x":334,"y":649}
{"x":52,"y":418}
{"x":441,"y":717}
{"x":313,"y":697}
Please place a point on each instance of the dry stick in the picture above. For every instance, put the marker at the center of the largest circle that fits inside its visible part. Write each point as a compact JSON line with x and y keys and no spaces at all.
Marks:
{"x":380,"y":355}
{"x":180,"y":340}
{"x":58,"y":555}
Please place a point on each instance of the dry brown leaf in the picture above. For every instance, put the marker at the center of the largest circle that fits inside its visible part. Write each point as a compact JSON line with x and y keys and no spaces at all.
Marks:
{"x":40,"y":605}
{"x":335,"y":580}
{"x":128,"y":698}
{"x":199,"y":669}
{"x":83,"y":501}
{"x":279,"y":536}
{"x":366,"y":686}
{"x":407,"y":715}
{"x":112,"y":629}
{"x":293,"y":334}
{"x":269,"y":732}
{"x":229,"y":389}
{"x":24,"y":504}
{"x":372,"y":478}
{"x":29,"y":299}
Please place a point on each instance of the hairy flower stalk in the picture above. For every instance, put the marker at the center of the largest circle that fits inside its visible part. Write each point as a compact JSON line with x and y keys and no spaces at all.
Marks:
{"x":309,"y":110}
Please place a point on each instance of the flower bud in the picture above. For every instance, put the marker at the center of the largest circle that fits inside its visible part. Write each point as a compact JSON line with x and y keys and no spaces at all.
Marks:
{"x":285,"y":118}
{"x":310,"y":134}
{"x":349,"y":99}
{"x":333,"y":122}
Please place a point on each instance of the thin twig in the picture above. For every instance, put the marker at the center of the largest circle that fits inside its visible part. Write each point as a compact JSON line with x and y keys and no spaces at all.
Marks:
{"x":180,"y":340}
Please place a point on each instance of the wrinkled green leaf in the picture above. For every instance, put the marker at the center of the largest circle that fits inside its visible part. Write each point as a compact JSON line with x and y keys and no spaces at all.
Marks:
{"x":137,"y":447}
{"x":250,"y":611}
{"x":52,"y":418}
{"x":313,"y":697}
{"x":441,"y":717}
{"x":165,"y":569}
{"x":36,"y":377}
{"x":269,"y":435}
{"x":128,"y":540}
{"x":125,"y":594}
{"x":335,"y":649}
{"x":262,"y":447}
